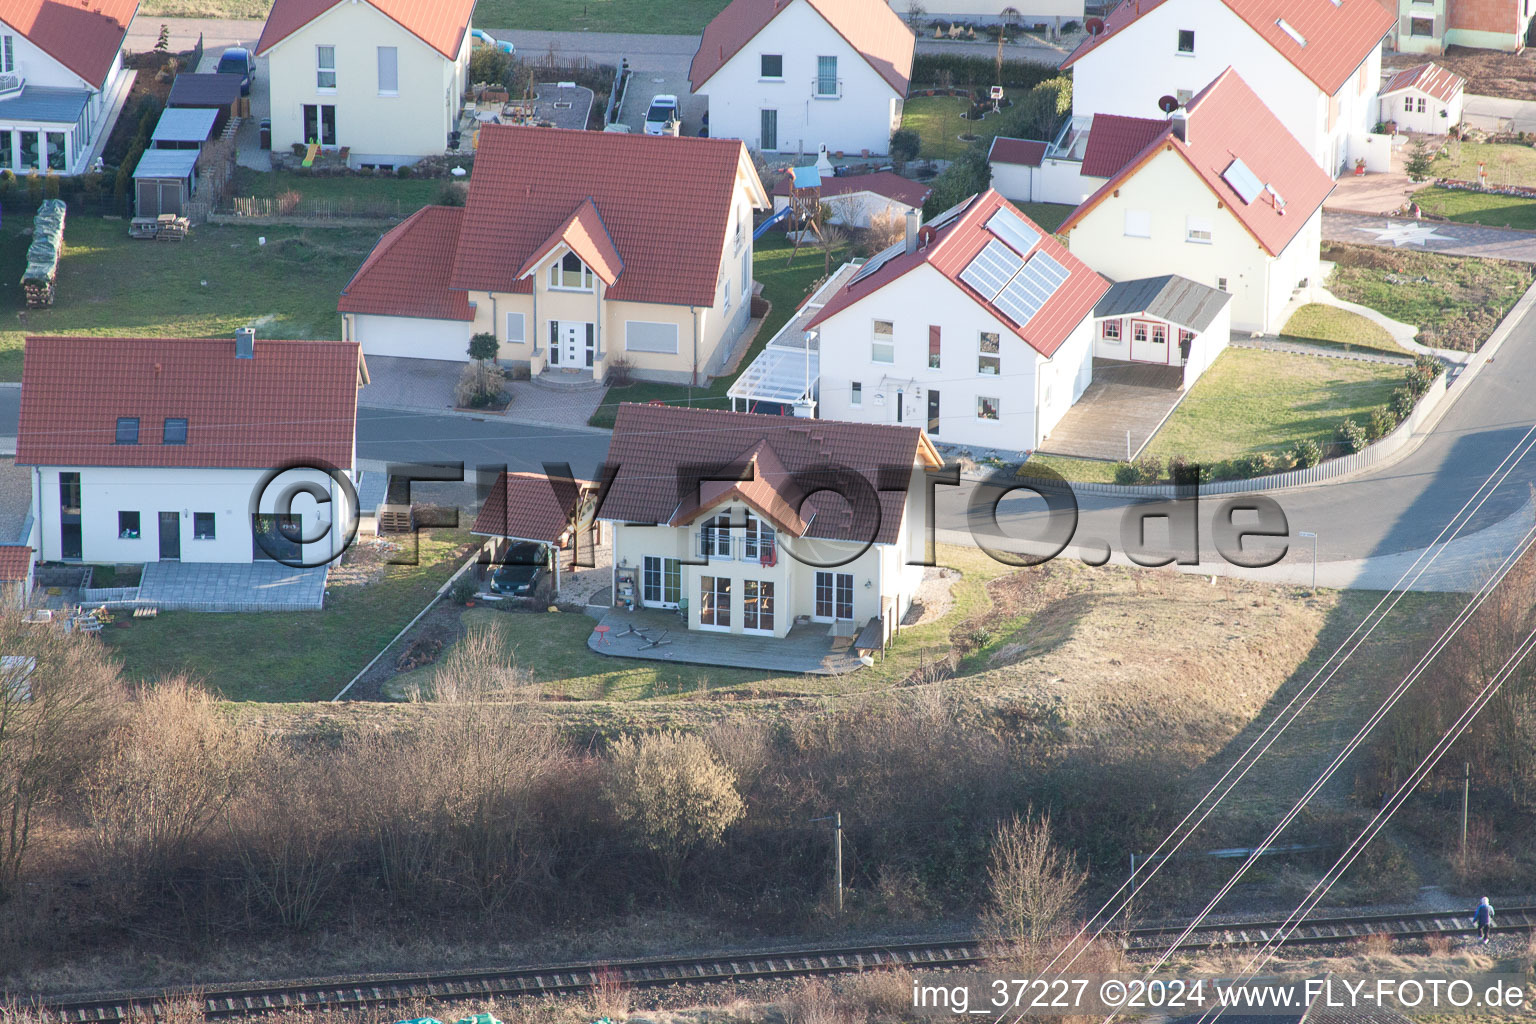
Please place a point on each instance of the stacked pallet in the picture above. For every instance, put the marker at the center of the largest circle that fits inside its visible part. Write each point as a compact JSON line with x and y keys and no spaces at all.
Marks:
{"x":44,"y":252}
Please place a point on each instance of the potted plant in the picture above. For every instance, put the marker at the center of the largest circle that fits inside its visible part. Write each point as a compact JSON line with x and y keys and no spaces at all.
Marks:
{"x":1359,"y":166}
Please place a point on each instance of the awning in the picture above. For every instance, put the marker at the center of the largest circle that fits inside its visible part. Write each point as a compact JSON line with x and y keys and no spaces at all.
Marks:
{"x":783,"y":375}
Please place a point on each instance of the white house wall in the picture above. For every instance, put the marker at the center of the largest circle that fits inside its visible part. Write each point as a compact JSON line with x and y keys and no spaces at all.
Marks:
{"x":411,"y":337}
{"x":105,"y":491}
{"x":1100,"y":84}
{"x":378,"y":128}
{"x":1015,"y":182}
{"x":1430,"y":122}
{"x":862,"y":118}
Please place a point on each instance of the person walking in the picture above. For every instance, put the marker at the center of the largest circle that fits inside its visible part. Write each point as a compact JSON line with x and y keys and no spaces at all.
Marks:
{"x":1483,"y":918}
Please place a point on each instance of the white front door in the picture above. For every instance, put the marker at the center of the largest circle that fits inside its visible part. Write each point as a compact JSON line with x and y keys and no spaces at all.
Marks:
{"x":573,"y":345}
{"x":1149,"y":341}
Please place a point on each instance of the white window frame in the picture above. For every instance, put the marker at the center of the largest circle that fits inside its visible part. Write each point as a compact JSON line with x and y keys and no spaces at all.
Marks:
{"x":521,"y":337}
{"x":856,"y":394}
{"x":983,"y":356}
{"x":880,"y":341}
{"x":8,"y":57}
{"x":1106,"y":336}
{"x":997,"y":409}
{"x":1198,"y":230}
{"x":714,"y":538}
{"x":725,"y":305}
{"x":761,"y":77}
{"x":321,"y":70}
{"x":558,"y":275}
{"x":396,"y":51}
{"x":1178,"y":43}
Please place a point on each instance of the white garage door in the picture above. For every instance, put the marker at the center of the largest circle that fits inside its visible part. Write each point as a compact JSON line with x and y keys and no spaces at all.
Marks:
{"x":412,"y":338}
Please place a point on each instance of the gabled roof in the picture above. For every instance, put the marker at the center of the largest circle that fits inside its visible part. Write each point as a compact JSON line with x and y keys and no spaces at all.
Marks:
{"x":406,"y":274}
{"x":1025,"y":152}
{"x":524,"y":506}
{"x":1430,"y":79}
{"x":664,"y":202}
{"x":951,"y":248}
{"x":83,"y":35}
{"x":585,"y":235}
{"x":659,"y":449}
{"x":15,"y":562}
{"x":295,"y":401}
{"x":1338,"y":36}
{"x":1226,"y":121}
{"x":882,"y":183}
{"x":1170,"y":297}
{"x":1114,"y":140}
{"x":440,"y":24}
{"x":869,"y":26}
{"x":769,"y":489}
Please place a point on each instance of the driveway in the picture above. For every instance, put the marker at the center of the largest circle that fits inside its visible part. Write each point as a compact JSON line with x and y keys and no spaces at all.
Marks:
{"x":1119,"y":412}
{"x":427,"y":385}
{"x":1431,"y":236}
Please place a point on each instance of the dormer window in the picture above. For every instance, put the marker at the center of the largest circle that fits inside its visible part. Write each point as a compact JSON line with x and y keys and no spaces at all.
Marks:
{"x":1290,"y":30}
{"x":570,"y":274}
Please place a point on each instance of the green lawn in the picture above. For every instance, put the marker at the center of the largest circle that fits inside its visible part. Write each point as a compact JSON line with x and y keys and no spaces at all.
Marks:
{"x":785,"y":285}
{"x":1047,"y":215}
{"x":681,"y":17}
{"x":1317,"y":324}
{"x":1506,"y":163}
{"x":411,"y":193}
{"x":215,"y":281}
{"x":937,"y":119}
{"x":1487,"y":208}
{"x":1457,"y":301}
{"x":554,"y":647}
{"x":1252,"y":401}
{"x":290,"y":656}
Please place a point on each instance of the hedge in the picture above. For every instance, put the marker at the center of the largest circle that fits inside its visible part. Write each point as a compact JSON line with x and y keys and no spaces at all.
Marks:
{"x":978,"y":71}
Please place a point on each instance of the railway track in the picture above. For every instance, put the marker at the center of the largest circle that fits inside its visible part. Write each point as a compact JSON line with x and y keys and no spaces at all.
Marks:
{"x":399,"y":989}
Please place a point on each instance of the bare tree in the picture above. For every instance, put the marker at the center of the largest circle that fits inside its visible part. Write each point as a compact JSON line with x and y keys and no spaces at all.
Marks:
{"x":1033,"y":885}
{"x":479,"y":667}
{"x":59,"y":693}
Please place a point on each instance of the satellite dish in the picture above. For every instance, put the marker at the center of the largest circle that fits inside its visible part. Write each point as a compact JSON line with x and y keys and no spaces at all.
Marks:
{"x":1095,"y":26}
{"x":1167,"y":104}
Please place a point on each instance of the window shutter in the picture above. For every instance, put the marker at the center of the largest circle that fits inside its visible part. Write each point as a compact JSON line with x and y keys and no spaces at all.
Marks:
{"x":389,"y":69}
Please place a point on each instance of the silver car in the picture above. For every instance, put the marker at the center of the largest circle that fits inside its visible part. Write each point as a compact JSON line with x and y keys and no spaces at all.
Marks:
{"x":662,"y":117}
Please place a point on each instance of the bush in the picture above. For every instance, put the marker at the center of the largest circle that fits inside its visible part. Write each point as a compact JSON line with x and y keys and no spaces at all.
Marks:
{"x":1402,"y":402}
{"x":1306,"y":453}
{"x":452,"y":194}
{"x":464,"y":589}
{"x":1149,"y":470}
{"x":492,"y":66}
{"x":906,"y":143}
{"x":1257,"y":464}
{"x":932,"y":68}
{"x":1125,"y":473}
{"x":618,"y":373}
{"x":1351,"y":436}
{"x":480,"y":384}
{"x":963,"y":178}
{"x":483,"y":346}
{"x":1382,"y":422}
{"x":1182,"y":471}
{"x":1040,"y":112}
{"x":403,"y":171}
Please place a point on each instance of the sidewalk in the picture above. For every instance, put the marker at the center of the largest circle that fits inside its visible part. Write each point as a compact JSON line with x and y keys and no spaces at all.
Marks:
{"x":217,"y":33}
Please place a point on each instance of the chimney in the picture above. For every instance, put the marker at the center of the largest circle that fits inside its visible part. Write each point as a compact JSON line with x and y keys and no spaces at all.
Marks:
{"x":914,"y":221}
{"x":245,"y":343}
{"x":1180,"y":120}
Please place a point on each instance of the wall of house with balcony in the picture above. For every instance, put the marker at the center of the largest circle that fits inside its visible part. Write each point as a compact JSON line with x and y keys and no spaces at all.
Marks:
{"x":850,"y":108}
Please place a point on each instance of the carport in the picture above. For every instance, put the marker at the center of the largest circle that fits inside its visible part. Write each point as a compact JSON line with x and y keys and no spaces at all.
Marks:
{"x":183,"y":128}
{"x":163,"y":181}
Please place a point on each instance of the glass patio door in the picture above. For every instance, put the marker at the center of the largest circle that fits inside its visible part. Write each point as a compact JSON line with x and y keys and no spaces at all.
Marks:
{"x":661,"y":581}
{"x":834,"y":596}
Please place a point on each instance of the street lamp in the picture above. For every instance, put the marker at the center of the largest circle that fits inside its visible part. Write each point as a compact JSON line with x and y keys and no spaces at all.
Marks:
{"x":1306,"y":535}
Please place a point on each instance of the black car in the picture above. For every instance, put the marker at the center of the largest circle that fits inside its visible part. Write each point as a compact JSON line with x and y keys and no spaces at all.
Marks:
{"x":520,"y":569}
{"x":237,"y":60}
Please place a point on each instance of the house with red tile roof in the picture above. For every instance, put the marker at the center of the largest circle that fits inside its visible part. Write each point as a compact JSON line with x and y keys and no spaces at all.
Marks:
{"x":790,"y":76}
{"x":857,"y":199}
{"x":976,"y":328}
{"x":1424,"y":98}
{"x":1075,"y":165}
{"x":748,"y":524}
{"x":1316,"y":64}
{"x":1224,"y":196}
{"x":16,"y":573}
{"x":382,"y":79}
{"x":62,"y":81}
{"x":182,"y":448}
{"x":1429,"y":26}
{"x":576,"y":250}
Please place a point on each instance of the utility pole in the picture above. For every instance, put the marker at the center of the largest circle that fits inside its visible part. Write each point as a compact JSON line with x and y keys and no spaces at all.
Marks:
{"x":836,"y":818}
{"x":1466,"y":795}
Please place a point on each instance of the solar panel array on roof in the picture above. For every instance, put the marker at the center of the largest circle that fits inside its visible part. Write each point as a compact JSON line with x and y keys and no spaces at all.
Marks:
{"x":991,"y":269}
{"x":1243,"y":181}
{"x":1031,"y":288}
{"x":1010,"y":227}
{"x":879,"y":260}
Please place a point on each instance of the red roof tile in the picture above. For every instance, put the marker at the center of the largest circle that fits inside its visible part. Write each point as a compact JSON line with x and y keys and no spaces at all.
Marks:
{"x":1339,"y":36}
{"x":951,"y":250}
{"x":440,"y":24}
{"x":15,"y":562}
{"x":869,"y":26}
{"x":1113,"y":141}
{"x":83,"y":35}
{"x":407,"y":272}
{"x":1025,"y":152}
{"x":882,"y":183}
{"x":665,"y":202}
{"x":585,"y":235}
{"x":295,"y":401}
{"x":659,"y":449}
{"x":524,"y":506}
{"x":1430,"y":79}
{"x":770,"y":489}
{"x":1226,"y":121}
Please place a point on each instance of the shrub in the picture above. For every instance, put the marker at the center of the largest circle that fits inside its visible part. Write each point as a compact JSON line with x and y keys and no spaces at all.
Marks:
{"x":1125,"y":473}
{"x":935,"y":68}
{"x":1402,"y":402}
{"x":963,"y":178}
{"x":51,"y":186}
{"x":1419,"y":161}
{"x":480,"y":384}
{"x":452,"y":194}
{"x":1182,"y":471}
{"x":618,"y":373}
{"x":483,"y":346}
{"x":1428,"y":366}
{"x":1040,"y":112}
{"x":1307,"y":453}
{"x":1149,"y":470}
{"x":1351,"y":436}
{"x":1383,"y":421}
{"x":403,"y":171}
{"x":1257,"y":464}
{"x":492,"y":66}
{"x":464,"y":589}
{"x":1033,"y":885}
{"x":906,"y":143}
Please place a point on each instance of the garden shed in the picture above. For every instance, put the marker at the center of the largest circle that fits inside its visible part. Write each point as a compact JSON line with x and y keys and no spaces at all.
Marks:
{"x":163,"y":181}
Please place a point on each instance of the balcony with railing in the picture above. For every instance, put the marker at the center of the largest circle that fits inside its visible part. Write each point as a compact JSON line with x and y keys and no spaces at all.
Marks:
{"x":823,"y":88}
